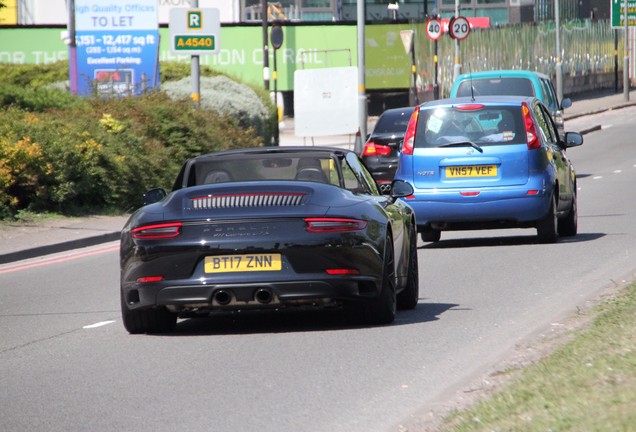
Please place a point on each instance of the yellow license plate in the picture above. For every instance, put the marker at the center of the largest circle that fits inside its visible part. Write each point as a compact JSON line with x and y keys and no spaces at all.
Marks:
{"x":243,"y":263}
{"x":471,"y":171}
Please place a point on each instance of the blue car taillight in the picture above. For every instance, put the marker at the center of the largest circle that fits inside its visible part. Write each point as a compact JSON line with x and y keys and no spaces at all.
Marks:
{"x":531,"y":131}
{"x":409,"y":136}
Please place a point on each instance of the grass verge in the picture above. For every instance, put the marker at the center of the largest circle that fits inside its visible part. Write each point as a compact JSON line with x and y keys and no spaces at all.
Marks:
{"x":588,"y":384}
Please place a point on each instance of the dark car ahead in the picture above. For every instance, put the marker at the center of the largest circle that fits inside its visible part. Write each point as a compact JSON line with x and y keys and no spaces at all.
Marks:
{"x":269,"y":228}
{"x":380,"y":153}
{"x":487,"y":163}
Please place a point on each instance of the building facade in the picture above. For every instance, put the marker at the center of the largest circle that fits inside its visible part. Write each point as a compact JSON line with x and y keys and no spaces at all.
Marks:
{"x":500,"y":12}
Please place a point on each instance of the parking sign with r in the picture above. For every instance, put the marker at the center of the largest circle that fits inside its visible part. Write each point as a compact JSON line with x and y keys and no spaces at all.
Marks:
{"x":195,"y":21}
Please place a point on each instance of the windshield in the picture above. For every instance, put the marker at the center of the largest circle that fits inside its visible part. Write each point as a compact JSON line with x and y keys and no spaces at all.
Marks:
{"x":498,"y":125}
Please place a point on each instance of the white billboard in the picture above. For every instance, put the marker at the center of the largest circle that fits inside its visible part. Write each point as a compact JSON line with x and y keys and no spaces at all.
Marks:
{"x":326,"y":101}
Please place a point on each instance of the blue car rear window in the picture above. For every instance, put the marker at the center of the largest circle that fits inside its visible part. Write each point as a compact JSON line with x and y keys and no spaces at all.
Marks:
{"x":496,"y":87}
{"x":498,"y":125}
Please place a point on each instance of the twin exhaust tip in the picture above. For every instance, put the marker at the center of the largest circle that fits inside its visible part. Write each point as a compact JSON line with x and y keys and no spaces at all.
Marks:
{"x":262,"y":295}
{"x":222,"y":297}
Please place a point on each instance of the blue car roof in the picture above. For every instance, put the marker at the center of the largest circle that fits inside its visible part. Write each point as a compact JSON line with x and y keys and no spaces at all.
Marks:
{"x":520,"y":73}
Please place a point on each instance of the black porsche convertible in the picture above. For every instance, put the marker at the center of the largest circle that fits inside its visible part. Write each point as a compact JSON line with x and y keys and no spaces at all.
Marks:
{"x":269,"y":228}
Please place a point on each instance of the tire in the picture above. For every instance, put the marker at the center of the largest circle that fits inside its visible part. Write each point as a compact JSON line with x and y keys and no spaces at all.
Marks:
{"x":547,"y":228}
{"x":430,"y":235}
{"x":382,"y":309}
{"x":408,"y":298}
{"x":568,"y":226}
{"x":154,"y":320}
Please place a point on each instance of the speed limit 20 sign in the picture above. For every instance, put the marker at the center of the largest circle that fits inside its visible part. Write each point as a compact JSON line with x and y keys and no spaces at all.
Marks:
{"x":459,"y":28}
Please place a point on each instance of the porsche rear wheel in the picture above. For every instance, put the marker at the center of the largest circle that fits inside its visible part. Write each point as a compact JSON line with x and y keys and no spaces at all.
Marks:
{"x":380,"y":310}
{"x":154,"y":320}
{"x":408,"y":298}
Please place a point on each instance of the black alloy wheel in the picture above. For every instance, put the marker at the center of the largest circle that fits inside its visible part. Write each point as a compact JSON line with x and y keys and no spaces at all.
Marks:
{"x":153,"y":320}
{"x":408,"y":298}
{"x":382,"y":309}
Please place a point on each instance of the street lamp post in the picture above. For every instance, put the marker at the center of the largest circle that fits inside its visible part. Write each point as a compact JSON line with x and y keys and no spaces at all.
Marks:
{"x":362,"y":95}
{"x":559,"y":64}
{"x":265,"y":45}
{"x":457,"y":70}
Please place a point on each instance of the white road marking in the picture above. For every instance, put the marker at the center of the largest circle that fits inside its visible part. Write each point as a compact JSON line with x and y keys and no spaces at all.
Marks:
{"x":597,"y":177}
{"x":99,"y":324}
{"x":618,"y":171}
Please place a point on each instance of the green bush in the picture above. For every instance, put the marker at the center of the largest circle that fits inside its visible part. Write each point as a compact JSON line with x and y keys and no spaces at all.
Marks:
{"x":34,"y":75}
{"x":64,"y":154}
{"x":36,"y":98}
{"x":225,"y":96}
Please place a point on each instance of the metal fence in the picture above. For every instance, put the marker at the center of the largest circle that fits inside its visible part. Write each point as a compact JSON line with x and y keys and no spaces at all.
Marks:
{"x":587,"y":47}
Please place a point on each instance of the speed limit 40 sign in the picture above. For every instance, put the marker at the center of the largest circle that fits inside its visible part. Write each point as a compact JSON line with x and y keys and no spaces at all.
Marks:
{"x":434,"y":29}
{"x":459,"y":28}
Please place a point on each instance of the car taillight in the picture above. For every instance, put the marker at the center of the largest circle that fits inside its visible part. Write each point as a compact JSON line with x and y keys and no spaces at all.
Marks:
{"x":150,"y":279}
{"x":409,"y":137}
{"x":157,"y":231}
{"x":373,"y":149}
{"x":531,"y":131}
{"x":334,"y":224}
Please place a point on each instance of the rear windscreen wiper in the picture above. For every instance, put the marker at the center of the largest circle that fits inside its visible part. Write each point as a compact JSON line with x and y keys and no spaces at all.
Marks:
{"x":463,"y":144}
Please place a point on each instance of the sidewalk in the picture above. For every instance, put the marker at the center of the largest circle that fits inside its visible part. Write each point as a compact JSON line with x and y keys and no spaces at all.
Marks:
{"x":24,"y":240}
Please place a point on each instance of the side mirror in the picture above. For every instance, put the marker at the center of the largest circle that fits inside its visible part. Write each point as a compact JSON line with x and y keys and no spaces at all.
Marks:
{"x":566,"y":103}
{"x":401,"y":189}
{"x":573,"y":139}
{"x":154,"y":195}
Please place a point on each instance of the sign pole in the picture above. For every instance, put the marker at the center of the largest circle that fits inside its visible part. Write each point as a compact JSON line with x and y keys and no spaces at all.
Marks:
{"x":434,"y":31}
{"x":414,"y":70}
{"x":72,"y":47}
{"x":457,"y":70}
{"x":264,"y":5}
{"x":195,"y":71}
{"x":626,"y":53}
{"x":276,"y":37}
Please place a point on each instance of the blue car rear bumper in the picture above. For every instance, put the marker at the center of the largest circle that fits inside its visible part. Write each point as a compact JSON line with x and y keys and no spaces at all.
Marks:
{"x":497,"y":205}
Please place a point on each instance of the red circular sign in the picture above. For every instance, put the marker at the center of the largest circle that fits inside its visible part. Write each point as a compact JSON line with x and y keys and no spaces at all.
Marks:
{"x":459,"y":28}
{"x":434,"y":28}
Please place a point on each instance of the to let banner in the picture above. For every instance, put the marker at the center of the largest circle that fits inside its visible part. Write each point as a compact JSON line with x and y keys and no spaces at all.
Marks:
{"x":117,"y":46}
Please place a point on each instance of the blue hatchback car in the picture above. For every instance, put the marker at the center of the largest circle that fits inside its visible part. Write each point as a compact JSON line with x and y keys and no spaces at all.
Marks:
{"x":487,"y":163}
